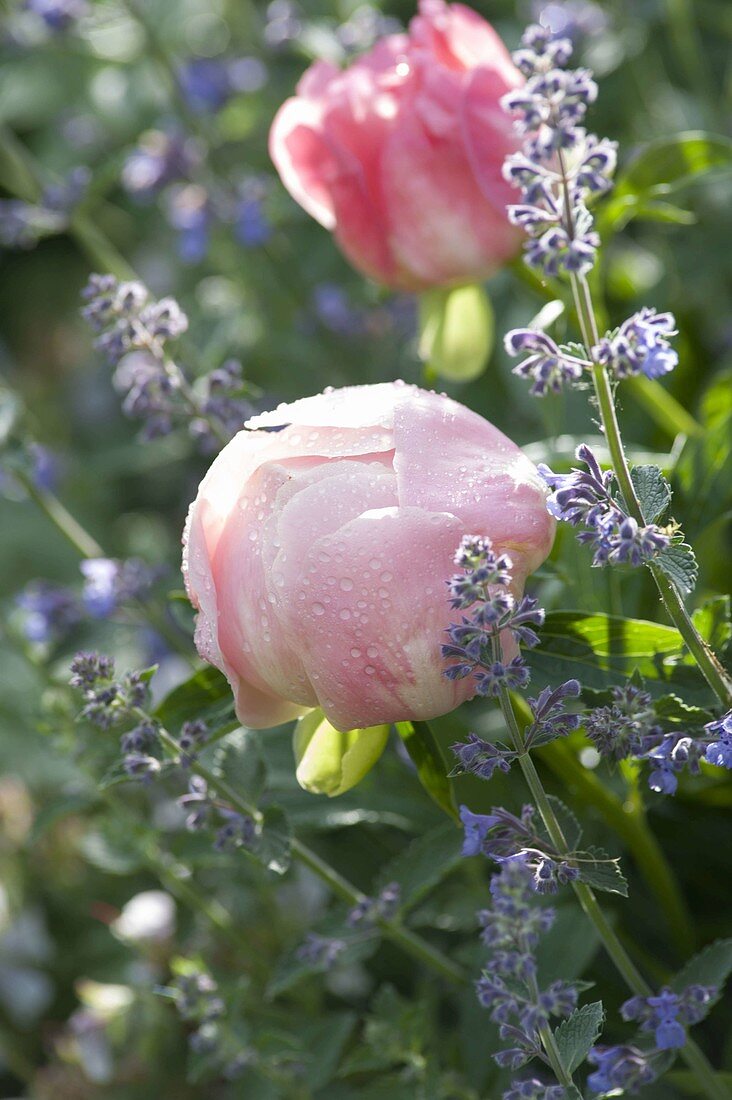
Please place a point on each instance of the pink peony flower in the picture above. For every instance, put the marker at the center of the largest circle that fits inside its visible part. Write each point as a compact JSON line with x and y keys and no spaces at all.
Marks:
{"x":317,"y":555}
{"x":400,"y":155}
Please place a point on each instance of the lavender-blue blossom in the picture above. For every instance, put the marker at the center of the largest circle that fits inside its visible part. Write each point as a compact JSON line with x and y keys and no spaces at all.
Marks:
{"x":369,"y":911}
{"x":666,"y":1014}
{"x":546,"y":363}
{"x":321,"y":951}
{"x":509,"y":989}
{"x":506,"y":838}
{"x":629,"y":727}
{"x":640,"y":346}
{"x":622,"y":728}
{"x":475,"y":647}
{"x":49,"y":611}
{"x":481,"y":758}
{"x":621,"y":1068}
{"x":189,"y":213}
{"x":58,"y":15}
{"x":584,"y":498}
{"x":109,"y":583}
{"x":719,"y":751}
{"x":550,"y":718}
{"x":160,"y":158}
{"x":24,"y":224}
{"x":560,"y":165}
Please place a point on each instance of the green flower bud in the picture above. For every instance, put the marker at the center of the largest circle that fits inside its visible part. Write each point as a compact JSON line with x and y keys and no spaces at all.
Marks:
{"x":330,"y":761}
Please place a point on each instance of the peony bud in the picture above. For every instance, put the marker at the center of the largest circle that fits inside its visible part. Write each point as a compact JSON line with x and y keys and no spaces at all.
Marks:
{"x":401,"y":154}
{"x":317,"y":555}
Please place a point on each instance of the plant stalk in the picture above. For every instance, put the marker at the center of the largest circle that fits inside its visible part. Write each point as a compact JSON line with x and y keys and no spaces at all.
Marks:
{"x":409,"y":941}
{"x":709,"y":1083}
{"x":706,"y":660}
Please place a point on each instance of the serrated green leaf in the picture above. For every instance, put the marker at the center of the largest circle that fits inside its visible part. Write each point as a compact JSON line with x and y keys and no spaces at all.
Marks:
{"x":238,"y":760}
{"x":273,"y":847}
{"x":206,"y":695}
{"x":597,"y":869}
{"x":680,"y":566}
{"x":653,"y":491}
{"x":576,"y":1035}
{"x":432,"y":768}
{"x":712,"y":966}
{"x":604,"y":650}
{"x":423,"y":863}
{"x":568,"y":822}
{"x":670,"y":708}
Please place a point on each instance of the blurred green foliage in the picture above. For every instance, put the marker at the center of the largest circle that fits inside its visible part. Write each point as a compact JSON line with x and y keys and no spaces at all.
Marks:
{"x":72,"y":856}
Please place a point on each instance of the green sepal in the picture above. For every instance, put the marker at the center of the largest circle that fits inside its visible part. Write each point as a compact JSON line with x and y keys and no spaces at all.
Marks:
{"x":330,"y":761}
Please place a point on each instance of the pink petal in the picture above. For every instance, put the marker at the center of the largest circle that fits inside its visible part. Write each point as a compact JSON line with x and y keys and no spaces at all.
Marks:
{"x":371,"y":640}
{"x":449,"y":457}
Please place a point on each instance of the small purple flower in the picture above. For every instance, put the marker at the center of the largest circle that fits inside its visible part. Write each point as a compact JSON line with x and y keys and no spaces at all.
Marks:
{"x":665,"y":1014}
{"x":189,"y":213}
{"x":50,"y":611}
{"x":719,"y":752}
{"x":321,"y":951}
{"x":548,"y":366}
{"x":625,"y":1068}
{"x":159,"y":159}
{"x":477,"y":827}
{"x":584,"y":497}
{"x":560,"y":164}
{"x":481,"y":758}
{"x":58,"y":15}
{"x":205,"y":83}
{"x":640,"y":346}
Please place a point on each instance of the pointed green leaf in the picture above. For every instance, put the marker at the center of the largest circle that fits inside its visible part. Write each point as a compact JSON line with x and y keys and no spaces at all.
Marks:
{"x":423,"y":863}
{"x":424,"y":750}
{"x":206,"y":695}
{"x":577,"y":1034}
{"x":457,"y":331}
{"x":597,"y":869}
{"x":604,"y":650}
{"x":660,"y":168}
{"x":238,"y":760}
{"x":273,"y":844}
{"x":712,"y":966}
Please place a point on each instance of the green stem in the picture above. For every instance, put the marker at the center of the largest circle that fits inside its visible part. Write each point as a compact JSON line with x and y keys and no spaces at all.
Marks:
{"x":409,"y":941}
{"x":710,"y":667}
{"x":712,"y":1086}
{"x":87,"y":546}
{"x":632,"y":828}
{"x":628,"y":820}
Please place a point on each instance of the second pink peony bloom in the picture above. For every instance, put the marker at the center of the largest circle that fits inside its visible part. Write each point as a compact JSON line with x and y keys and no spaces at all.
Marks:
{"x":400,"y":155}
{"x":317,"y":553}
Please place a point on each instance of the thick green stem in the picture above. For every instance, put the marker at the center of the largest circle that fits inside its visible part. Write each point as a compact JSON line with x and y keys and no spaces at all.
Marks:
{"x":710,"y":1084}
{"x":710,"y":667}
{"x":409,"y":941}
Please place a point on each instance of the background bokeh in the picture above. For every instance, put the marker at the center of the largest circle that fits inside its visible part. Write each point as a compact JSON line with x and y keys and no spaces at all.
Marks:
{"x":166,"y":104}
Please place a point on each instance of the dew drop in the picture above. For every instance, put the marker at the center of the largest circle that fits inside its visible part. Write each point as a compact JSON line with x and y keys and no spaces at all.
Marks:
{"x":318,"y":609}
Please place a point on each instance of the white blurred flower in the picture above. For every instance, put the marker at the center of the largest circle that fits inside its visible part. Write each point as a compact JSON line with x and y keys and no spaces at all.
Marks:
{"x":148,"y":917}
